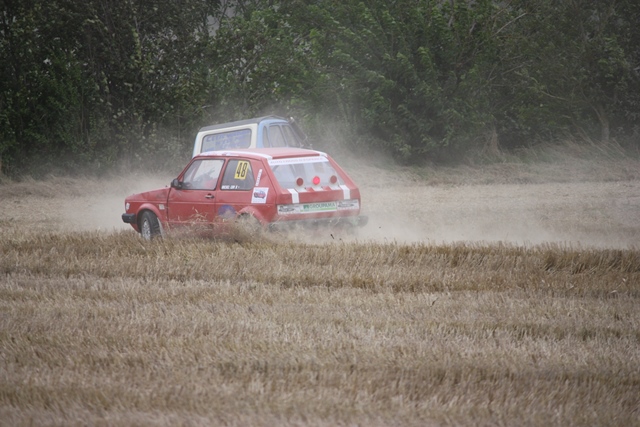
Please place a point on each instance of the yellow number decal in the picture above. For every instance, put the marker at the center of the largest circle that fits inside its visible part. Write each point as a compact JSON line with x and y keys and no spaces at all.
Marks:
{"x":242,"y":169}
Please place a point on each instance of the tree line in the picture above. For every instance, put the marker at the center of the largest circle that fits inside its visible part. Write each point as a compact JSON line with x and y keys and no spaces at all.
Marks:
{"x":96,"y":82}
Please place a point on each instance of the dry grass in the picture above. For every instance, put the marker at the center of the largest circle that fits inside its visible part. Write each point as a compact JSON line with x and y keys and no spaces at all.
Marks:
{"x":465,"y":327}
{"x":104,"y":328}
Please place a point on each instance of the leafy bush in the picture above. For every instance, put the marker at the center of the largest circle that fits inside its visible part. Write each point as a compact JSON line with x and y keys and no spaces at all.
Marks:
{"x":95,"y":83}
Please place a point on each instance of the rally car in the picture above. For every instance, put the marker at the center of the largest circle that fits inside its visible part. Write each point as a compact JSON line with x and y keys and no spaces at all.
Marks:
{"x":272,"y":187}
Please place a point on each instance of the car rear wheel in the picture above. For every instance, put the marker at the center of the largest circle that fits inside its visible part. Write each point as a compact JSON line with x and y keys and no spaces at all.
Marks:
{"x":149,"y":226}
{"x":249,"y":224}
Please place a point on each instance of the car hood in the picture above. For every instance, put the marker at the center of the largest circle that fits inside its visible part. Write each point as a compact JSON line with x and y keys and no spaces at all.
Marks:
{"x":159,"y":195}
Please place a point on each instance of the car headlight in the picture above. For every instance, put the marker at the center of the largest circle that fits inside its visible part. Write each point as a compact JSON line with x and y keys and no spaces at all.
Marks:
{"x":127,"y":206}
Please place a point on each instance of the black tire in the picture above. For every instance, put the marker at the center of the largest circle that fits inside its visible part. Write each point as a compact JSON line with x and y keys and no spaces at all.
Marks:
{"x":149,"y":226}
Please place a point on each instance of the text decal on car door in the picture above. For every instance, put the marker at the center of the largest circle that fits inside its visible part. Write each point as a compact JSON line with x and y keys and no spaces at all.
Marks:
{"x":241,"y":170}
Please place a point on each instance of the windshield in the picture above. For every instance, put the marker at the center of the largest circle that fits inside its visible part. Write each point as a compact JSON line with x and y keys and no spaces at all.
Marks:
{"x":305,"y":172}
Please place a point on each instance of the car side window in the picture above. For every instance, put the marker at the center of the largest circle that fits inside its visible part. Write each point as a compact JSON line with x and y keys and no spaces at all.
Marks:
{"x":292,"y":140}
{"x":276,"y":138}
{"x":238,"y":176}
{"x":202,"y":174}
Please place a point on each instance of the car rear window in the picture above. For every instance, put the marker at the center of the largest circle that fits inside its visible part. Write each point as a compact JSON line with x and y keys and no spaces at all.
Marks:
{"x":240,"y":138}
{"x":289,"y":171}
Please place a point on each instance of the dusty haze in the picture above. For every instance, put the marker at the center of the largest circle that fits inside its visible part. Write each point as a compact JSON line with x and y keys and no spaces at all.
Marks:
{"x":597,"y":204}
{"x":599,"y":214}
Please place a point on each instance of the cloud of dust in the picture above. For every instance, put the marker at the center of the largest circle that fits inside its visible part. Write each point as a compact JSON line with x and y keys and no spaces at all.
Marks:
{"x":400,"y":209}
{"x":99,"y":203}
{"x":403,"y":210}
{"x":576,"y":214}
{"x":556,"y":202}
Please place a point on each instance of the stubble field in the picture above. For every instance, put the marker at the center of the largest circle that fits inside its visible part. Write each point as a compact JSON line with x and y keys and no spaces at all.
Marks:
{"x":505,"y":295}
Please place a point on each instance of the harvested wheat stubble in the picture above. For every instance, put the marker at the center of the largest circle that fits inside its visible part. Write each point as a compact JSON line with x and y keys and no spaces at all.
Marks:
{"x":504,"y":304}
{"x":106,"y":328}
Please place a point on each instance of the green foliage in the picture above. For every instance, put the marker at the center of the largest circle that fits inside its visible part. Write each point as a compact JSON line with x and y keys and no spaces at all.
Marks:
{"x":100,"y":82}
{"x":574,"y":71}
{"x":407,"y":75}
{"x":42,"y":86}
{"x":93,"y":82}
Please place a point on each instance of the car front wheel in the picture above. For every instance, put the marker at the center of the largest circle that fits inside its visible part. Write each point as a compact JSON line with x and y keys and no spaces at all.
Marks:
{"x":149,"y":226}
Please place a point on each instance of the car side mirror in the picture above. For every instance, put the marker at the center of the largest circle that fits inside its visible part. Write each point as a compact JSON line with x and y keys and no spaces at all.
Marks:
{"x":176,"y":184}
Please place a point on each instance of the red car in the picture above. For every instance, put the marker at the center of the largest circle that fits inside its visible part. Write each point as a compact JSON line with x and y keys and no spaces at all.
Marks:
{"x":275,"y":187}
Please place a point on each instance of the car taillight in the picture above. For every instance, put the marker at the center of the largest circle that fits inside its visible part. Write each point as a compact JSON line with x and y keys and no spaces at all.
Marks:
{"x":299,"y":182}
{"x":333,"y":179}
{"x":316,"y":180}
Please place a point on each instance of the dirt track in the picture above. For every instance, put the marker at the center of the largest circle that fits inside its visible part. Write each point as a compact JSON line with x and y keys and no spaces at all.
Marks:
{"x":605,"y":214}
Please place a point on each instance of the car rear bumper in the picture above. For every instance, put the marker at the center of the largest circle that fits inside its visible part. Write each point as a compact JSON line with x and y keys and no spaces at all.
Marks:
{"x":345,"y":221}
{"x":129,"y":218}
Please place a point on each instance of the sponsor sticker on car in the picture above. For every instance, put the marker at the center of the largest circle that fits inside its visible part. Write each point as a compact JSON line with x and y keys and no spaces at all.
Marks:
{"x":318,"y":207}
{"x":348,"y":204}
{"x":259,"y":194}
{"x":304,"y":208}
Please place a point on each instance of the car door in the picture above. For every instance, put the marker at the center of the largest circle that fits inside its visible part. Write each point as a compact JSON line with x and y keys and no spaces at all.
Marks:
{"x":236,"y":189}
{"x":193,"y":200}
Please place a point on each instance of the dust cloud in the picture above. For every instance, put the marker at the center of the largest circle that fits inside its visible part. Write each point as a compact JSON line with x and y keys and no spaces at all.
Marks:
{"x":587,"y":201}
{"x":102,"y":211}
{"x":401,"y":209}
{"x":60,"y":204}
{"x":576,"y":214}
